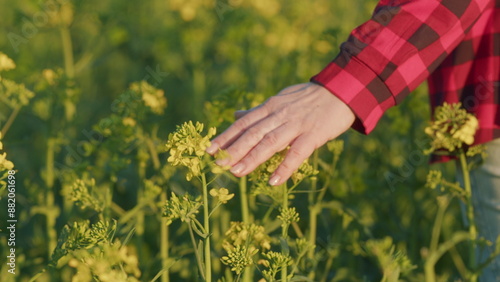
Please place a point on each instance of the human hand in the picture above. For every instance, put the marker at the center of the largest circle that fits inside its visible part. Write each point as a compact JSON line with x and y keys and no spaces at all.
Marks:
{"x":303,"y":116}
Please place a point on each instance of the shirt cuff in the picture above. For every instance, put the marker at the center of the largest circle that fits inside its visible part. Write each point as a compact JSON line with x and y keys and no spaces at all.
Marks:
{"x":359,"y":87}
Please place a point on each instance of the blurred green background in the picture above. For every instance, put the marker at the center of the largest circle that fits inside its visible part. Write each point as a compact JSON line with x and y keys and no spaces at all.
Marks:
{"x":197,"y":51}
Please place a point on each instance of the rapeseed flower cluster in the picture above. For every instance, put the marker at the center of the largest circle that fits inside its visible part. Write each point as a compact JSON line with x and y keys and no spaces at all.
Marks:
{"x":265,"y":170}
{"x":16,"y":95}
{"x":152,"y":97}
{"x":184,"y":208}
{"x":83,"y":235}
{"x":434,"y":179}
{"x":105,"y":262}
{"x":246,"y":234}
{"x":242,"y":242}
{"x":305,"y":170}
{"x":4,"y":163}
{"x":82,"y":196}
{"x":274,"y":262}
{"x":5,"y":166}
{"x":6,"y":63}
{"x":287,"y":216}
{"x":239,"y":258}
{"x":453,"y":128}
{"x":187,"y":147}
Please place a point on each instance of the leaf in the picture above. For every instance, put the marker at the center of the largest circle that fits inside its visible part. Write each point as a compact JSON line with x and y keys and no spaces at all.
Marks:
{"x":285,"y":248}
{"x":59,"y":251}
{"x":129,"y":236}
{"x":170,"y":263}
{"x":301,"y":278}
{"x":200,"y":255}
{"x":198,"y":231}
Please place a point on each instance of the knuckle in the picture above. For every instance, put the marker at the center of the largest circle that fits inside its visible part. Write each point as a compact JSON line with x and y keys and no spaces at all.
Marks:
{"x":266,"y":108}
{"x":271,"y":100}
{"x":270,"y":139}
{"x":241,"y":124}
{"x":235,"y":152}
{"x":283,"y":113}
{"x":296,"y":153}
{"x":254,"y":133}
{"x":252,"y":157}
{"x":271,"y":103}
{"x":287,"y":167}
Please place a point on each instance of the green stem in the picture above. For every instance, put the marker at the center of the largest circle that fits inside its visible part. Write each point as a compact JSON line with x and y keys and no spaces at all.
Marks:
{"x":313,"y":215}
{"x":36,"y":276}
{"x":266,"y":216}
{"x":430,"y":275}
{"x":284,"y":231}
{"x":248,"y":273}
{"x":457,"y":260}
{"x":164,"y":245}
{"x":69,"y":62}
{"x":297,"y":230}
{"x":244,"y":200}
{"x":9,"y":121}
{"x":470,"y":211}
{"x":206,"y":225}
{"x":51,"y":215}
{"x":199,"y":85}
{"x":154,"y":154}
{"x":436,"y":229}
{"x":328,"y":265}
{"x":198,"y":259}
{"x":117,"y":209}
{"x":140,"y":217}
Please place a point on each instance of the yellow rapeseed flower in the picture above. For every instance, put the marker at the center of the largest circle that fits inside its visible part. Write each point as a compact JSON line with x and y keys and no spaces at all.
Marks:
{"x":221,"y":194}
{"x":4,"y":163}
{"x":187,"y":147}
{"x":6,"y":63}
{"x":452,"y":128}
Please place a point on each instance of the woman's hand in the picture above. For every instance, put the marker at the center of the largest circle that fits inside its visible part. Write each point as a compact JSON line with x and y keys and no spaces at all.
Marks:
{"x":304,"y":116}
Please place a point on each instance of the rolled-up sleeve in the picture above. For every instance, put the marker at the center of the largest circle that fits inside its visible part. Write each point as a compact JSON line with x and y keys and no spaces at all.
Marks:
{"x":388,"y":56}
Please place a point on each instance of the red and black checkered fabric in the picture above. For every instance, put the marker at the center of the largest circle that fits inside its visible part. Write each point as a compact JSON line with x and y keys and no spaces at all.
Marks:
{"x":455,"y":44}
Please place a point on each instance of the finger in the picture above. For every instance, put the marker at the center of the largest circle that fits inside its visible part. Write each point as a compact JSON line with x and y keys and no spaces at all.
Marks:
{"x":241,"y":113}
{"x":274,"y":141}
{"x":240,"y":147}
{"x":227,"y":137}
{"x":299,"y":150}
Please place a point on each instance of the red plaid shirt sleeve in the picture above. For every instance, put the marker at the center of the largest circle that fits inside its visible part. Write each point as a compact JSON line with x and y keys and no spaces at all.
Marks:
{"x":404,"y":43}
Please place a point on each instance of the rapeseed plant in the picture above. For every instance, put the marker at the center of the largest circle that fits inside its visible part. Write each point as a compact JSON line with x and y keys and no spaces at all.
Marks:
{"x":187,"y":148}
{"x":452,"y":132}
{"x":452,"y":128}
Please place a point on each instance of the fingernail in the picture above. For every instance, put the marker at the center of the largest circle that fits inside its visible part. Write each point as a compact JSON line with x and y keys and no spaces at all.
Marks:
{"x":274,"y":180}
{"x":237,"y":169}
{"x":222,"y":162}
{"x":212,"y":149}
